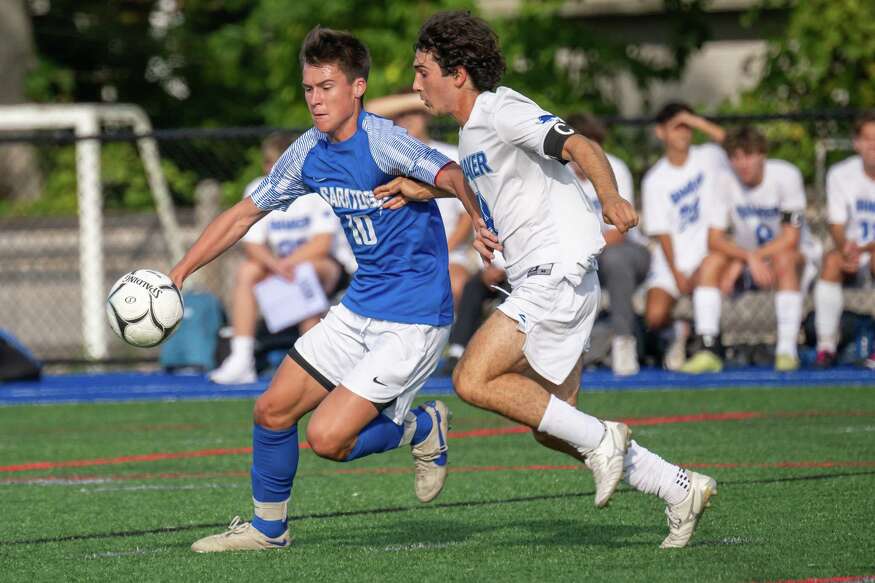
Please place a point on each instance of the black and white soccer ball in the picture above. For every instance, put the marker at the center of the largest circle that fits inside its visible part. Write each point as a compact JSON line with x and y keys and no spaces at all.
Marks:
{"x":144,"y":308}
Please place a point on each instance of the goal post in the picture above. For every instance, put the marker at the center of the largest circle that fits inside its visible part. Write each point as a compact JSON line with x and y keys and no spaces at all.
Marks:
{"x":86,"y":121}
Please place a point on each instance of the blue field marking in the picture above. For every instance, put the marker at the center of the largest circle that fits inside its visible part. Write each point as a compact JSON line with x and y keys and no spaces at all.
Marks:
{"x":115,"y":387}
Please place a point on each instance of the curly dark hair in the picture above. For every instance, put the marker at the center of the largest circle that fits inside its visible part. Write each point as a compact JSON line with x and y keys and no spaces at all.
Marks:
{"x":325,"y":45}
{"x":458,"y":39}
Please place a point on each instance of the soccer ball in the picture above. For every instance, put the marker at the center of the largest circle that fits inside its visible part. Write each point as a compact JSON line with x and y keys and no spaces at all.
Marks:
{"x":144,"y":308}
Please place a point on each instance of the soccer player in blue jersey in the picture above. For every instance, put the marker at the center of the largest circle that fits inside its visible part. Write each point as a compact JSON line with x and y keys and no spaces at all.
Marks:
{"x":360,"y":368}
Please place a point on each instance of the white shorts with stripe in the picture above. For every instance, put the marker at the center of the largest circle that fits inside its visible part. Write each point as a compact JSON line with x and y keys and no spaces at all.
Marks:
{"x":556,"y":313}
{"x":384,"y":362}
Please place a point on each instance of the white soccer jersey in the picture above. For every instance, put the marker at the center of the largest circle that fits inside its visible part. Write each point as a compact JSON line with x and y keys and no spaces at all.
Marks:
{"x":626,"y":186}
{"x":286,"y":230}
{"x":536,"y":205}
{"x":850,"y":195}
{"x":673,"y":199}
{"x":755,"y":213}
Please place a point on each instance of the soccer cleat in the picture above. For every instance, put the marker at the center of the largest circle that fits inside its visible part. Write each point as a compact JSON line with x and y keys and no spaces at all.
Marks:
{"x":430,"y":455}
{"x":702,"y":362}
{"x":825,"y":359}
{"x":683,"y":516}
{"x":624,"y":355}
{"x":606,"y":460}
{"x":786,"y":363}
{"x":240,"y":536}
{"x":235,"y":371}
{"x":676,"y":355}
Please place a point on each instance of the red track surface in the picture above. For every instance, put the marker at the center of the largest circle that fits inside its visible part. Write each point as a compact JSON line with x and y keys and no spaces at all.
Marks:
{"x":486,"y":432}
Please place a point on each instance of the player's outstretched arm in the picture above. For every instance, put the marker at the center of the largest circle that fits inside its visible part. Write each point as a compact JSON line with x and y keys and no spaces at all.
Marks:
{"x":225,"y":230}
{"x":449,"y":182}
{"x":592,"y":160}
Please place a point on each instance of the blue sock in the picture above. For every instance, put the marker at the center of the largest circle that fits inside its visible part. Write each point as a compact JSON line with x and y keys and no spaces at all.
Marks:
{"x":423,"y":425}
{"x":274,"y":463}
{"x":381,"y":434}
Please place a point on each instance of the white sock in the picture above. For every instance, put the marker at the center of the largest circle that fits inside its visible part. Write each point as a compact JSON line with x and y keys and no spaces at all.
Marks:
{"x":828,"y":305}
{"x":788,"y":309}
{"x":455,"y":350}
{"x":242,"y":347}
{"x":647,"y":472}
{"x":569,"y":424}
{"x":409,"y":429}
{"x":271,"y":510}
{"x":706,"y":311}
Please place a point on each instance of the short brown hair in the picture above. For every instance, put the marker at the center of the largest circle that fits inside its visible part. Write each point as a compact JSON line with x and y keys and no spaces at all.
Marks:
{"x":324,"y":46}
{"x":748,"y":139}
{"x":589,"y":126}
{"x":868,"y":116}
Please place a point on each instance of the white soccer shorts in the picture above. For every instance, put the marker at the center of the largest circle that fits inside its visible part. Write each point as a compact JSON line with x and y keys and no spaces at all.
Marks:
{"x":557,"y":318}
{"x":660,"y":276}
{"x":384,"y":362}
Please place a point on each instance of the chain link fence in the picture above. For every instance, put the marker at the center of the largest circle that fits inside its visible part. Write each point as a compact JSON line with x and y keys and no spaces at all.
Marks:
{"x":207,"y":170}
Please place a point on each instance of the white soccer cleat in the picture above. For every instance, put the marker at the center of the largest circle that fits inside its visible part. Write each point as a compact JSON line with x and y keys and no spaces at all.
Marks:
{"x":676,"y":355}
{"x":235,"y":371}
{"x":240,"y":536}
{"x":430,"y":455}
{"x":624,"y":355}
{"x":683,"y":516}
{"x":606,"y":460}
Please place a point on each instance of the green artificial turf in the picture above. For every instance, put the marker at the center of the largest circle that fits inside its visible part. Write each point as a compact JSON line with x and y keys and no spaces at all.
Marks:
{"x":796,"y":496}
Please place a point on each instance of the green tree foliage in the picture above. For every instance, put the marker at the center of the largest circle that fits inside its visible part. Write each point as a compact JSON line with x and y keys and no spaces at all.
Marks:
{"x":564,"y":62}
{"x":824,"y":59}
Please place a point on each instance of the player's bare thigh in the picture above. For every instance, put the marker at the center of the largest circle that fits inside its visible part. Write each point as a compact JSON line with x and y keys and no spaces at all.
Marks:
{"x":292,"y":394}
{"x":567,"y":391}
{"x":251,"y":272}
{"x":495,"y":349}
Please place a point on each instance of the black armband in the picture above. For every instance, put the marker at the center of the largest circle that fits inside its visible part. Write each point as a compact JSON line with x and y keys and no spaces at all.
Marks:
{"x":793,"y":218}
{"x":555,"y":139}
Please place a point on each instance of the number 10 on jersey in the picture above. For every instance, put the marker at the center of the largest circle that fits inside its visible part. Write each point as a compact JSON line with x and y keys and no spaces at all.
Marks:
{"x":362,"y":229}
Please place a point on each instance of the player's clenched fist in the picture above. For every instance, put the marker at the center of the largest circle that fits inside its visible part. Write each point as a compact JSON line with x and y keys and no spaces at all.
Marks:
{"x":618,"y":212}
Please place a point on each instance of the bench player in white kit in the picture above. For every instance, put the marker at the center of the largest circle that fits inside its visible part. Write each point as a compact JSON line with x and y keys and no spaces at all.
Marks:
{"x":850,"y":195}
{"x":762,"y":201}
{"x":525,"y":362}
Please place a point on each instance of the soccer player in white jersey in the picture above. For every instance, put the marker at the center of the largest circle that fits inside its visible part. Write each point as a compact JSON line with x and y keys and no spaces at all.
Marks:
{"x":306,"y":232}
{"x":674,"y":193}
{"x":850,"y":193}
{"x":525,"y":361}
{"x":360,"y":368}
{"x":762,"y":201}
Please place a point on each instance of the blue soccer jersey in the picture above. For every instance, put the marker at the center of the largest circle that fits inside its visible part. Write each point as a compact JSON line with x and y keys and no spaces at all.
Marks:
{"x":402,"y":271}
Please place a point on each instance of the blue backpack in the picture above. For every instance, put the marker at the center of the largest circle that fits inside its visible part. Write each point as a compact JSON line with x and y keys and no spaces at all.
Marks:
{"x":193,"y":346}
